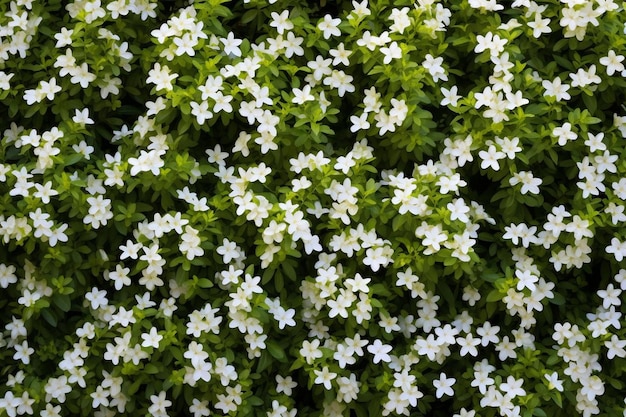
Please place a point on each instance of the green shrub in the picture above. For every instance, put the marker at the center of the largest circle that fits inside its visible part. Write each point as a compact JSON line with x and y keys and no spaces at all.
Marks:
{"x":334,"y":208}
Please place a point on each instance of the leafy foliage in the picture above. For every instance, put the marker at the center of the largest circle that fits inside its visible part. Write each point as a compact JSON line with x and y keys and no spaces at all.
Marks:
{"x":325,"y":208}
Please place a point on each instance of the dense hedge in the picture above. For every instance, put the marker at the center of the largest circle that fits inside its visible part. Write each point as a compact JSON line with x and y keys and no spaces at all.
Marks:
{"x":335,"y":208}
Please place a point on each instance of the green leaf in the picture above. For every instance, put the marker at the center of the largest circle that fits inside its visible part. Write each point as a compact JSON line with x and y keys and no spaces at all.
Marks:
{"x":72,"y":159}
{"x":255,"y":401}
{"x":397,"y":222}
{"x":268,"y":274}
{"x":590,"y":102}
{"x":494,"y":295}
{"x":276,"y":351}
{"x":62,"y":301}
{"x":558,"y":299}
{"x":289,"y":271}
{"x":249,"y":16}
{"x":552,"y":360}
{"x":205,"y":283}
{"x":297,"y":364}
{"x":491,"y":277}
{"x":615,"y":383}
{"x":151,"y":369}
{"x":264,"y":362}
{"x":49,"y":317}
{"x":279,"y":283}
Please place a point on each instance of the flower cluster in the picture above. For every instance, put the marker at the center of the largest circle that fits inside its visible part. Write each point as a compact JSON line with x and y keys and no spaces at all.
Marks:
{"x":292,"y":208}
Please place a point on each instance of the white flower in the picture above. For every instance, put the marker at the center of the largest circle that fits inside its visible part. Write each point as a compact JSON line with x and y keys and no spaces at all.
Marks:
{"x":490,"y":158}
{"x":458,"y":210}
{"x":513,"y":387}
{"x":201,"y":111}
{"x":348,"y":388}
{"x":564,"y":133}
{"x":151,"y":339}
{"x":119,"y":276}
{"x":64,"y":38}
{"x":100,"y":397}
{"x":340,"y":55}
{"x":281,"y":21}
{"x":520,"y":232}
{"x":329,"y":26}
{"x":358,"y":283}
{"x":556,"y":89}
{"x":285,"y":317}
{"x":401,"y":20}
{"x":23,"y":352}
{"x":595,"y":142}
{"x":464,"y":413}
{"x":376,"y":257}
{"x":159,"y":404}
{"x":185,"y":45}
{"x":325,"y":377}
{"x":96,"y":298}
{"x":231,"y":45}
{"x":617,"y":248}
{"x":4,"y":80}
{"x":584,"y":78}
{"x":302,"y":96}
{"x":321,"y":67}
{"x":515,"y":100}
{"x":526,"y":279}
{"x":49,"y":88}
{"x":200,"y":408}
{"x":7,"y":275}
{"x":161,"y":77}
{"x":310,"y":350}
{"x":222,"y":102}
{"x":615,"y":348}
{"x":44,"y":192}
{"x":529,"y":183}
{"x":468,"y":345}
{"x":434,"y":67}
{"x":81,"y":75}
{"x":485,"y":5}
{"x":380,"y":351}
{"x":444,"y":385}
{"x":450,"y":97}
{"x":391,"y":52}
{"x":84,"y":149}
{"x":554,"y":382}
{"x":540,"y":26}
{"x":494,"y":43}
{"x":613,"y":63}
{"x":81,"y":117}
{"x":488,"y":333}
{"x":285,"y":385}
{"x":229,"y":251}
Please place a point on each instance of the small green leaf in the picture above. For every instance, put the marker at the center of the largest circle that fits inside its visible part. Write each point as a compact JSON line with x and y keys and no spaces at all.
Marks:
{"x":558,"y":299}
{"x":205,"y":283}
{"x":151,"y":369}
{"x":615,"y":383}
{"x":494,"y":295}
{"x":72,"y":159}
{"x":264,"y":362}
{"x":62,"y":301}
{"x":276,"y":351}
{"x":255,"y":401}
{"x":49,"y":317}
